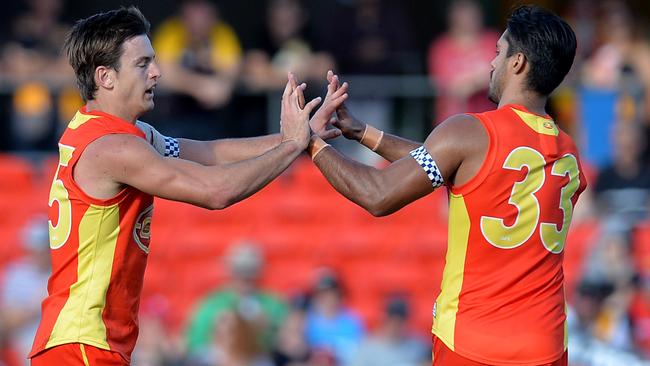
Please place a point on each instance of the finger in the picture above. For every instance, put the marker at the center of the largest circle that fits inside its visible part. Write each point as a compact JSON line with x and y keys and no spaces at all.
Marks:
{"x":287,"y":89}
{"x":330,"y":134}
{"x":341,"y":90}
{"x":312,"y":104}
{"x":293,"y":81}
{"x":299,"y":96}
{"x":329,"y":76}
{"x":333,"y":85}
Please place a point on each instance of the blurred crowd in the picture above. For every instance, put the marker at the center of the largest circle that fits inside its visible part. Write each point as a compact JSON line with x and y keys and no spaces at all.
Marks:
{"x":216,"y":86}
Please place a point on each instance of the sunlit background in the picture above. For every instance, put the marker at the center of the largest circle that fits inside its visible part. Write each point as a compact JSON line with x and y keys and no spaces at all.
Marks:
{"x":297,"y":275}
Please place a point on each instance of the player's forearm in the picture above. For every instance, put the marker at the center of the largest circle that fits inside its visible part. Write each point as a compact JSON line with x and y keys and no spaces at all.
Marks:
{"x":226,"y":151}
{"x":390,"y":147}
{"x":357,"y":182}
{"x":394,"y":147}
{"x":244,"y":178}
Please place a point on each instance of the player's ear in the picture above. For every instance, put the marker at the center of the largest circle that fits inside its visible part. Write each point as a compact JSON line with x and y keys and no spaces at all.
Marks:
{"x":518,"y":62}
{"x":104,"y":77}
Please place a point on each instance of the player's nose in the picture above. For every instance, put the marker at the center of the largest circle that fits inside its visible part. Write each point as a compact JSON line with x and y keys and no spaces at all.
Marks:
{"x":154,"y":71}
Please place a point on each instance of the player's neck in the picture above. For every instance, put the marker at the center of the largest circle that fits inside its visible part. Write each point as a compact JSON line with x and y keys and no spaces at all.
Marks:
{"x":114,"y":109}
{"x":531,"y":101}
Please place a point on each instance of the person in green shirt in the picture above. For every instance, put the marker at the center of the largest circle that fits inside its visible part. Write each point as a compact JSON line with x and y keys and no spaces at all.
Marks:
{"x":241,"y":294}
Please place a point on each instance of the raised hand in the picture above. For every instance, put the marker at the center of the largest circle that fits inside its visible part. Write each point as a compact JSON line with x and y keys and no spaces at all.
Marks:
{"x":334,"y":99}
{"x":294,"y":120}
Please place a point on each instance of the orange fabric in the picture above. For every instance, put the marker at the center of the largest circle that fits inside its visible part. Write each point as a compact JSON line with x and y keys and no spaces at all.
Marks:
{"x":511,"y":300}
{"x":71,"y":354}
{"x":443,"y":356}
{"x":121,"y":291}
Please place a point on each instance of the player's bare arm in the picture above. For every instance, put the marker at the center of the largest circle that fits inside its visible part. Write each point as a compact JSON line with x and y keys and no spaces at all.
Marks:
{"x":225,"y":151}
{"x":457,"y":147}
{"x":390,"y":147}
{"x":116,"y":160}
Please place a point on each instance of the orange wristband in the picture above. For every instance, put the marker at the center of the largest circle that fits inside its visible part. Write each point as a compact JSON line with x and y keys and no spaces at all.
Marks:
{"x":316,"y":145}
{"x":371,"y":137}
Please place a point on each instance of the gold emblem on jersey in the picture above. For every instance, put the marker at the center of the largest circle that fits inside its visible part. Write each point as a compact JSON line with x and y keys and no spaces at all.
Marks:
{"x":142,"y":229}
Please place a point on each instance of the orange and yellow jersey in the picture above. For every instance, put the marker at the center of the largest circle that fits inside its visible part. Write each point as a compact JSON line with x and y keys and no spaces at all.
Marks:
{"x":99,"y":250}
{"x":502,"y":296}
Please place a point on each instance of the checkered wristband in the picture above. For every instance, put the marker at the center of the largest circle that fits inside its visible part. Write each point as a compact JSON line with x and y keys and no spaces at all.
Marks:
{"x":172,"y":147}
{"x":422,"y":156}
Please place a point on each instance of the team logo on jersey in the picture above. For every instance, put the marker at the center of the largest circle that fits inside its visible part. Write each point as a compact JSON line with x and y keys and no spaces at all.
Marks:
{"x":142,"y":229}
{"x":548,"y":125}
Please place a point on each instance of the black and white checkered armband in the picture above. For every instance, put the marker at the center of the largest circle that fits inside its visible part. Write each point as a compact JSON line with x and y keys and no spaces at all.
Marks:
{"x":172,"y":147}
{"x":165,"y":145}
{"x":422,"y":156}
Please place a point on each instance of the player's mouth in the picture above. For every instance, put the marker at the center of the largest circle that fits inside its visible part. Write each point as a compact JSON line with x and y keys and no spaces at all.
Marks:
{"x":149,"y":92}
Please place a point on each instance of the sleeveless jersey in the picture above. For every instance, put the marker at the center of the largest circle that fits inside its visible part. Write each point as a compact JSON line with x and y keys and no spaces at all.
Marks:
{"x":99,"y":251}
{"x":502,"y":295}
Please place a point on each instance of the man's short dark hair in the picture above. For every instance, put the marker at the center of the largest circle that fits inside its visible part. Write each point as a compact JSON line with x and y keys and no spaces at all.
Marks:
{"x":98,"y":41}
{"x":548,"y":43}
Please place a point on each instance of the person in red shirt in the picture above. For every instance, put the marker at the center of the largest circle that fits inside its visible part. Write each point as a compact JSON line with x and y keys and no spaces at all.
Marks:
{"x":459,"y":60}
{"x":110,"y":167}
{"x":513,"y":178}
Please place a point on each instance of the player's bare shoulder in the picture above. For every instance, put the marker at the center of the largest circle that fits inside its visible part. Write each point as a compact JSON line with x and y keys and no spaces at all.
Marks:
{"x":107,"y":158}
{"x":459,"y":145}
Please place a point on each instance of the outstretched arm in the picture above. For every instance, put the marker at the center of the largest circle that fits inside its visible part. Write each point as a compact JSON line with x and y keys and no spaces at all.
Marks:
{"x":127,"y":160}
{"x":384,"y":191}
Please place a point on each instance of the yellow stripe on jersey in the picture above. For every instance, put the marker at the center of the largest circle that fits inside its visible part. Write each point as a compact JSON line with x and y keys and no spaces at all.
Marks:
{"x":79,"y":119}
{"x":444,"y":323}
{"x":541,"y":125}
{"x":80,"y":320}
{"x":83,"y":354}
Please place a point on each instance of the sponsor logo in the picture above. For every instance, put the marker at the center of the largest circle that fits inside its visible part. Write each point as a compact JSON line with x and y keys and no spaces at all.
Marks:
{"x":142,"y":229}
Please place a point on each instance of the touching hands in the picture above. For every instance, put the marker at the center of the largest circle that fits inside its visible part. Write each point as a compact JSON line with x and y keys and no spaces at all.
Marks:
{"x":294,"y":120}
{"x":343,"y":121}
{"x":334,"y":99}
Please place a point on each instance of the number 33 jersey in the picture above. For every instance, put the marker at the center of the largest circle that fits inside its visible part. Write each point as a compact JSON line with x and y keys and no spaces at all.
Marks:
{"x":99,"y":251}
{"x":502,"y":296}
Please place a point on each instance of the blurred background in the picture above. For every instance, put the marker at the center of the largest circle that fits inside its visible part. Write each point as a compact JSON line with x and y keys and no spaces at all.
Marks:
{"x":296,"y":275}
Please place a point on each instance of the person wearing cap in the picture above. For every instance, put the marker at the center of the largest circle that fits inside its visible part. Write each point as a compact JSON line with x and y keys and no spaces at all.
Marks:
{"x":240,"y":294}
{"x":392,"y":344}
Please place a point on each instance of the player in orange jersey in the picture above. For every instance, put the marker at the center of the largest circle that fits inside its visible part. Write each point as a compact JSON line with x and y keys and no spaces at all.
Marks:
{"x":111,"y":166}
{"x":513,"y":178}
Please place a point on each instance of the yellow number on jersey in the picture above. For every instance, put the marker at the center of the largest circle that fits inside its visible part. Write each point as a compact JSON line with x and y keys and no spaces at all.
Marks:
{"x":59,"y":234}
{"x":523,"y":197}
{"x":552,"y":238}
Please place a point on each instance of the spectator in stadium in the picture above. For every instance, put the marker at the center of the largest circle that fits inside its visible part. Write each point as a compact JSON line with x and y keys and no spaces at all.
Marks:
{"x":331,"y":325}
{"x":24,"y":287}
{"x":241,"y":294}
{"x":623,"y":187}
{"x":459,"y":59}
{"x":284,"y":48}
{"x":110,"y":168}
{"x":615,"y":80}
{"x":31,"y":60}
{"x":590,"y":325}
{"x":392,"y":344}
{"x":236,"y":342}
{"x":200,"y":55}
